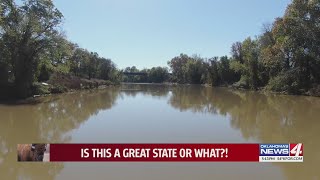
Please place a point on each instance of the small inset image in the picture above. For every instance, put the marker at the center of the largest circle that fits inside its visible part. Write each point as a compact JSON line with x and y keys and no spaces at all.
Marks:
{"x":33,"y":152}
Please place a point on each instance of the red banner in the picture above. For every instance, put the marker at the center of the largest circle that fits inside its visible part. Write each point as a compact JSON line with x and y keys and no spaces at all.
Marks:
{"x":155,"y":152}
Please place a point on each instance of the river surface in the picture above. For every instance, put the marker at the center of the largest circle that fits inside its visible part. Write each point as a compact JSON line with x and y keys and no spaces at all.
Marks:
{"x":146,"y":113}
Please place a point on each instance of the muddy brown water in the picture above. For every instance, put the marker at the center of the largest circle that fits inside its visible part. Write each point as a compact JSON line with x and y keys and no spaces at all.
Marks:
{"x":146,"y":113}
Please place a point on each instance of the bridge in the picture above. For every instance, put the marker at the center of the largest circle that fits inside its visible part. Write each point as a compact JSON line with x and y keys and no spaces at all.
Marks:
{"x":138,"y":73}
{"x":135,"y":73}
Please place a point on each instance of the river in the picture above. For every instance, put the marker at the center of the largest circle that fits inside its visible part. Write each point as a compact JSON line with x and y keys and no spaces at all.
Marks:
{"x":149,"y":113}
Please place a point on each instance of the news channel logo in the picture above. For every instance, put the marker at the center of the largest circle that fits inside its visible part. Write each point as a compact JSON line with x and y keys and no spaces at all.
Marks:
{"x":281,"y":152}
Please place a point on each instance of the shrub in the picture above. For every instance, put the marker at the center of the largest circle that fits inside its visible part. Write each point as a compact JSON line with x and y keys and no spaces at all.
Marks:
{"x":242,"y":83}
{"x":40,"y":89}
{"x":285,"y":82}
{"x":45,"y":73}
{"x":59,"y":89}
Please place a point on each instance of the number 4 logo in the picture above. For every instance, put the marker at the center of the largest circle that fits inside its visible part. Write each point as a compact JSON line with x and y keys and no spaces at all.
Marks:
{"x":296,"y":149}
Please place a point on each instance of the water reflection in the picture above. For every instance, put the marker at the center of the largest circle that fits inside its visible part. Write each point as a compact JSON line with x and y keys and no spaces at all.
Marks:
{"x":50,"y":121}
{"x":155,"y":90}
{"x":202,"y":99}
{"x":265,"y":118}
{"x":274,"y":118}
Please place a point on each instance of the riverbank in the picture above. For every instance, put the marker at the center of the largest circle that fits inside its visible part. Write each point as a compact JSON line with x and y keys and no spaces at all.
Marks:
{"x":60,"y":83}
{"x":57,"y":84}
{"x":314,"y":91}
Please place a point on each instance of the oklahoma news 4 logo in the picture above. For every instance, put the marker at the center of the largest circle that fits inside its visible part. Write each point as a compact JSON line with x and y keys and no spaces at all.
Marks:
{"x":281,"y":152}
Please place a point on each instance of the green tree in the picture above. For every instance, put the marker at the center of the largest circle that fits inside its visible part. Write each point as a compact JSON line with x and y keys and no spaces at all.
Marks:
{"x":177,"y":65}
{"x":145,"y":78}
{"x":251,"y":54}
{"x":92,"y":65}
{"x":27,"y":31}
{"x":132,"y":78}
{"x":295,"y":53}
{"x":213,"y":74}
{"x":107,"y":70}
{"x":227,"y":75}
{"x":158,"y":75}
{"x":237,"y":52}
{"x":76,"y":61}
{"x":195,"y":70}
{"x":56,"y":59}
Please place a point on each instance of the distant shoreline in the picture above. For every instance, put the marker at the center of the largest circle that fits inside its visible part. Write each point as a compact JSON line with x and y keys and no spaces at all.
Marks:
{"x":262,"y":90}
{"x":35,"y":98}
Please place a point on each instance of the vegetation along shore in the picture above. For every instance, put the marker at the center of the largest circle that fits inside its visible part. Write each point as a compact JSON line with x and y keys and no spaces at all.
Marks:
{"x":37,"y":58}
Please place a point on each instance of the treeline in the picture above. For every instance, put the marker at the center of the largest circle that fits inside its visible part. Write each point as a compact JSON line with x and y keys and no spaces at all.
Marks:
{"x":284,"y":58}
{"x":153,"y":75}
{"x":33,"y":47}
{"x":196,"y":70}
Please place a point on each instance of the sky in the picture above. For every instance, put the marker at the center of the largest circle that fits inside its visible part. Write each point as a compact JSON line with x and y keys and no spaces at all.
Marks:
{"x":148,"y":33}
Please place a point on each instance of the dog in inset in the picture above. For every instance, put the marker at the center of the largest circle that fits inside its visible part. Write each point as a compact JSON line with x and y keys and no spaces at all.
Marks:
{"x":28,"y":152}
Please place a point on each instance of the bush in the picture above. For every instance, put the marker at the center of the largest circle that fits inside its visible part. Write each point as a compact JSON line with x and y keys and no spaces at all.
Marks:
{"x":40,"y":89}
{"x":108,"y":83}
{"x":45,"y":73}
{"x":242,"y":83}
{"x":314,"y":91}
{"x":285,"y":82}
{"x":58,"y":89}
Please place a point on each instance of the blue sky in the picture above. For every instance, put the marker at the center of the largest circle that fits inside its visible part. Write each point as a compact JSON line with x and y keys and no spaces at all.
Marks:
{"x":148,"y":33}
